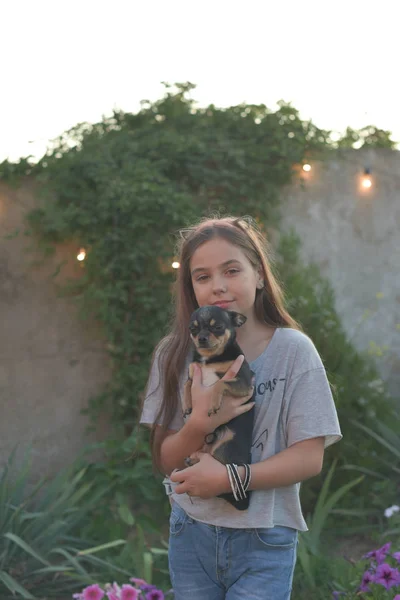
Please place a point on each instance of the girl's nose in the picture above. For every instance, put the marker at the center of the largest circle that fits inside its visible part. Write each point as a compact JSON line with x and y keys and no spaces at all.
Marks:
{"x":219,"y":286}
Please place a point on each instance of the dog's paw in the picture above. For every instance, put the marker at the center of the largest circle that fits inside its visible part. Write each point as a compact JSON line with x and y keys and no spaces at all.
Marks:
{"x":188,"y":462}
{"x":187,"y":412}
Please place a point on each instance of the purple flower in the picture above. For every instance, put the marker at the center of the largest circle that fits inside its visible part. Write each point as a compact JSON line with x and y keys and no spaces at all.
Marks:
{"x":396,"y":556}
{"x":367,"y":578}
{"x":336,"y":595}
{"x":397,"y":597}
{"x":387,"y":576}
{"x":380,"y":554}
{"x":155,"y":595}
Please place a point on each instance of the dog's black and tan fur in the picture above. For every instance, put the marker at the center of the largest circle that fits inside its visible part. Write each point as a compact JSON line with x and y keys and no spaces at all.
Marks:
{"x":213,"y":331}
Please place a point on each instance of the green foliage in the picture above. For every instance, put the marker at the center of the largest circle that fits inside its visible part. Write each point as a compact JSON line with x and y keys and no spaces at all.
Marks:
{"x":319,"y":571}
{"x":121,"y":189}
{"x":134,"y":508}
{"x":374,"y":577}
{"x":39,"y":553}
{"x":326,"y":571}
{"x":352,"y":374}
{"x":384,"y":480}
{"x":13,"y":172}
{"x":369,"y":136}
{"x":310,"y":543}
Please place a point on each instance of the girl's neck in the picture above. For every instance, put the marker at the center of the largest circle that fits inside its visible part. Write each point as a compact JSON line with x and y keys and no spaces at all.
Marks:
{"x":253,"y":337}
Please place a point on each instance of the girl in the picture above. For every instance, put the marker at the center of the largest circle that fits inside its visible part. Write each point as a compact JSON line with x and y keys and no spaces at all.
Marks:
{"x":217,"y":552}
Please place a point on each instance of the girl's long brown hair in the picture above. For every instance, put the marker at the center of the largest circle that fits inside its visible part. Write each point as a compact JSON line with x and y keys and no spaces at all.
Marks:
{"x":174,"y":349}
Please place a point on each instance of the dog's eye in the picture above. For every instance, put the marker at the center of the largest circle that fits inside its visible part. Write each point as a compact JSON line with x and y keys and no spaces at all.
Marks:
{"x":219,"y":328}
{"x":193,"y":330}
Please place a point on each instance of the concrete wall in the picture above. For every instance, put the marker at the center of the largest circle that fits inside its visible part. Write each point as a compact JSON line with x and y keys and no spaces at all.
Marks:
{"x":50,"y":362}
{"x":353,"y":234}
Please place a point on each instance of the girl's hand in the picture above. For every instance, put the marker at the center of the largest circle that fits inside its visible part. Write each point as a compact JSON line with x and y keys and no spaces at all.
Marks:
{"x":203,"y":398}
{"x":207,"y":479}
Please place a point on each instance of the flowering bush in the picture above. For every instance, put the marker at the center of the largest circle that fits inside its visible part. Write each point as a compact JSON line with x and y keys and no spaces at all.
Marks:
{"x":141,"y":590}
{"x":379,"y":578}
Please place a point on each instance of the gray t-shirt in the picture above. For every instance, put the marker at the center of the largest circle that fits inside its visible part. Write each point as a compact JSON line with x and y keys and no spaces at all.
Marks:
{"x":293,"y":403}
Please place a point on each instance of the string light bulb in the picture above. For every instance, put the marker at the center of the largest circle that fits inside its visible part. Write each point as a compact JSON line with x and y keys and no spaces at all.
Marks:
{"x":306,"y":167}
{"x":366,"y":180}
{"x":175,"y":265}
{"x":82,"y":254}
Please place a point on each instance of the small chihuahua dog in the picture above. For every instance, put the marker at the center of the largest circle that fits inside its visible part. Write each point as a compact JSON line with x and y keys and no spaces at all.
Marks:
{"x":213,"y":332}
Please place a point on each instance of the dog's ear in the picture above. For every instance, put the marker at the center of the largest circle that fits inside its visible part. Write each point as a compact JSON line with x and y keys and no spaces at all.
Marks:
{"x":237,"y":319}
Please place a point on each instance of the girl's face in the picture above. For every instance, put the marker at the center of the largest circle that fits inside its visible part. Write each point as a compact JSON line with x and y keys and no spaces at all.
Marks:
{"x":222,"y":275}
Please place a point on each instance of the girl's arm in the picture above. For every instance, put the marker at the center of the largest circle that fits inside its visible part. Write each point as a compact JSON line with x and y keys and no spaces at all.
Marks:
{"x":208,"y":478}
{"x":178,"y":445}
{"x":292,"y":465}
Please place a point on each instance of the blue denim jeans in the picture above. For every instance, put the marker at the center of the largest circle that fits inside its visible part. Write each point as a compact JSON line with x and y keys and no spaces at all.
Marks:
{"x":220,"y":563}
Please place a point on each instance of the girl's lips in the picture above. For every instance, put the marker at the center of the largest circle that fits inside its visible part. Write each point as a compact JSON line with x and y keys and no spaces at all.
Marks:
{"x":223,"y":303}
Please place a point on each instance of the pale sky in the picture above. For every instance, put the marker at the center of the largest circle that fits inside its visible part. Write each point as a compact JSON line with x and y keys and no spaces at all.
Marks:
{"x":68,"y":62}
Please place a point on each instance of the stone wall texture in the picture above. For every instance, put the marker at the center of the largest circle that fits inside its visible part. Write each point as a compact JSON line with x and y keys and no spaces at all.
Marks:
{"x":353,"y":234}
{"x":50,"y":361}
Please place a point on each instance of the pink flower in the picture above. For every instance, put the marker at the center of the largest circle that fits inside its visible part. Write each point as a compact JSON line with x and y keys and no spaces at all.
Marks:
{"x":128,"y":592}
{"x":113,"y":592}
{"x":93,"y":592}
{"x":138,"y":581}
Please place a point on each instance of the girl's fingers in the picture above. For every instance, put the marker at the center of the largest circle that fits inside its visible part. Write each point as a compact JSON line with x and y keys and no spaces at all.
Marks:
{"x":251,"y":393}
{"x":234,"y":368}
{"x":173,"y":475}
{"x":181,"y":488}
{"x":196,"y":380}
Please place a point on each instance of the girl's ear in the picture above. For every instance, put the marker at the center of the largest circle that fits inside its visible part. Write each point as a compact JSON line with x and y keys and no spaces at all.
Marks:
{"x":237,"y":319}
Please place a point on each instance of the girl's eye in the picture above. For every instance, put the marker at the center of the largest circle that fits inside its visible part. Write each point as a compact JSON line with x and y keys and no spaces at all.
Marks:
{"x":233,"y":271}
{"x":202,"y":278}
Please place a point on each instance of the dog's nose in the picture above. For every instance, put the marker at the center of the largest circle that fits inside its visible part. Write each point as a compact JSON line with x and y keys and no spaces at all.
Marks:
{"x":202,"y":339}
